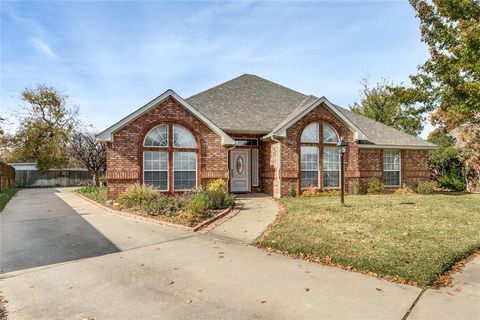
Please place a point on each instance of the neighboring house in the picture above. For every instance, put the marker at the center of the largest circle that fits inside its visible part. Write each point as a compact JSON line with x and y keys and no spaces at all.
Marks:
{"x":28,"y":175}
{"x":258,"y":135}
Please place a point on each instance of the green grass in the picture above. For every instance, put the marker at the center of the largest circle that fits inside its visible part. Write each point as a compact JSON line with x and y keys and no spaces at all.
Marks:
{"x":98,"y":194}
{"x":415,"y":237}
{"x":6,"y":195}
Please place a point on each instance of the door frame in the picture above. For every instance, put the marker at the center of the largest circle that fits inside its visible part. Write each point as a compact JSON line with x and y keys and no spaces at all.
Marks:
{"x":248,"y":168}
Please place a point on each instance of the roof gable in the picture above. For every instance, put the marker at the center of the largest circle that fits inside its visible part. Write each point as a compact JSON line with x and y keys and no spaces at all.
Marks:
{"x":307,"y":106}
{"x":107,"y":135}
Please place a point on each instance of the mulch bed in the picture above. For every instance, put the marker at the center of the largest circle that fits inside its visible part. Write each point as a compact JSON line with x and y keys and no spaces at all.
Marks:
{"x":217,"y":214}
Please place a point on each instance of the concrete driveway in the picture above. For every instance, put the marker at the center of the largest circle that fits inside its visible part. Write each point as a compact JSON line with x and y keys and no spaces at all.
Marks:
{"x":65,"y":258}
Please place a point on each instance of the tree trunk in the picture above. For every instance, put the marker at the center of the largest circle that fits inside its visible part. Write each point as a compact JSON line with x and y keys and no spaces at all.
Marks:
{"x":96,"y":178}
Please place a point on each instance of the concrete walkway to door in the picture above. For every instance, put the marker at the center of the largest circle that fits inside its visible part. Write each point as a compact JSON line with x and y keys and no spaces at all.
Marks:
{"x":258,"y":212}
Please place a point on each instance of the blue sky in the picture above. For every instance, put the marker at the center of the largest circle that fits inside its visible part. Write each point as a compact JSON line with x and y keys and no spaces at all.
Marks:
{"x":113,"y":57}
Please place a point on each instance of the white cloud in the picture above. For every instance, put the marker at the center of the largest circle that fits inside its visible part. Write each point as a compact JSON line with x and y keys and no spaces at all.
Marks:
{"x":43,"y":47}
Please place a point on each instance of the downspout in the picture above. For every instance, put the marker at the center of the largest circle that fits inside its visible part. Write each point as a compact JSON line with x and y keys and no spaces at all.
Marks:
{"x":278,"y":169}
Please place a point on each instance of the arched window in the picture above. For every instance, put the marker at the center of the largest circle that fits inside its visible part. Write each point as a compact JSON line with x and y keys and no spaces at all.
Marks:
{"x":170,"y":151}
{"x":183,"y":138}
{"x":310,"y":133}
{"x":157,"y":137}
{"x":316,"y":156}
{"x":329,"y":134}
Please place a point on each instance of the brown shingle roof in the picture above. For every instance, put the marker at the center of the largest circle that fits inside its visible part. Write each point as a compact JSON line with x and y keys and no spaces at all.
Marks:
{"x":250,"y":103}
{"x":247,"y":104}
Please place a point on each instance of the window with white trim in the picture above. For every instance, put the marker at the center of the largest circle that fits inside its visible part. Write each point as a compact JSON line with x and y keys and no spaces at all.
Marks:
{"x":170,"y":151}
{"x":330,"y":135}
{"x":391,"y":168}
{"x":310,"y":133}
{"x":157,"y":137}
{"x":255,"y":167}
{"x":330,"y":158}
{"x":155,"y":169}
{"x":184,"y":170}
{"x":309,"y":166}
{"x":183,"y":138}
{"x":331,"y":167}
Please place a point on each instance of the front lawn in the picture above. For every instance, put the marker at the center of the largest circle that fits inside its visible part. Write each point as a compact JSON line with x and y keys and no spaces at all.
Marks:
{"x":6,"y":195}
{"x":414,"y":237}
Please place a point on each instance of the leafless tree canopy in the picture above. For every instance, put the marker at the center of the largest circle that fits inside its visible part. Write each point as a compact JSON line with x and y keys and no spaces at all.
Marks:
{"x":85,"y":148}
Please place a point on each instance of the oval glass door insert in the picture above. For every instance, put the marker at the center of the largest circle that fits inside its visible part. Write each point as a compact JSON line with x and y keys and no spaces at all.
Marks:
{"x":240,"y":165}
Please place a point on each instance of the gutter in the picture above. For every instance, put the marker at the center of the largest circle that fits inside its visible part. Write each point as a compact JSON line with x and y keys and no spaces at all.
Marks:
{"x":402,"y":147}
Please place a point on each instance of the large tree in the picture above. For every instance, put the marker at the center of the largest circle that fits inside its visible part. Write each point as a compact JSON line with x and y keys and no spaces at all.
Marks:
{"x":391,"y":105}
{"x":45,"y":128}
{"x":470,"y":138}
{"x":451,"y":75}
{"x":85,"y":148}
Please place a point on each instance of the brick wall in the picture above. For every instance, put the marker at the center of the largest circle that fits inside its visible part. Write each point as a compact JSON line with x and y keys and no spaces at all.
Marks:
{"x":360,"y":164}
{"x":270,"y":173}
{"x":290,"y":148}
{"x":414,"y":166}
{"x":279,"y":162}
{"x":125,"y":153}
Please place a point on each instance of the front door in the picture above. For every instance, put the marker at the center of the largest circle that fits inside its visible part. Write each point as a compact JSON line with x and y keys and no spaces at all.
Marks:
{"x":240,"y":170}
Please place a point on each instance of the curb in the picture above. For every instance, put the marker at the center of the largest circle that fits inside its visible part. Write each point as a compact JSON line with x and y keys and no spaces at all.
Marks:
{"x":205,"y":223}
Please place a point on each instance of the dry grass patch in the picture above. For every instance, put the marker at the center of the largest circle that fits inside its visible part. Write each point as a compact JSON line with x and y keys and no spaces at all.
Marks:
{"x":414,"y":237}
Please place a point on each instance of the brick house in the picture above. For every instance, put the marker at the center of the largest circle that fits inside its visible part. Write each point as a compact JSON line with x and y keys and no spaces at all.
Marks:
{"x":261,"y":137}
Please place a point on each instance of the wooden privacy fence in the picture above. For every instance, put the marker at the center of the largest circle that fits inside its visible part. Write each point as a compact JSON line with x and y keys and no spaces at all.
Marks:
{"x":50,"y":178}
{"x":7,"y":176}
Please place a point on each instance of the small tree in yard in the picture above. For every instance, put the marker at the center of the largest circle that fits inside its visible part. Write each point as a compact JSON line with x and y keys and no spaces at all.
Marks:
{"x":85,"y":148}
{"x":44,"y":130}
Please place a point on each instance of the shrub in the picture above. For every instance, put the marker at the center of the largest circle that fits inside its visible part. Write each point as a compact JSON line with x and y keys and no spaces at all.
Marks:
{"x":426,"y":187}
{"x":229,"y":201}
{"x":317,"y":192}
{"x":451,"y":182}
{"x":404,"y":190}
{"x":311,"y":192}
{"x":217,"y":192}
{"x":162,"y":205}
{"x":198,"y":203}
{"x":374,"y":186}
{"x":217,"y":185}
{"x":355,"y":187}
{"x":217,"y":199}
{"x":198,"y":206}
{"x":98,"y":194}
{"x":137,"y":195}
{"x":103,"y":180}
{"x":292,"y":193}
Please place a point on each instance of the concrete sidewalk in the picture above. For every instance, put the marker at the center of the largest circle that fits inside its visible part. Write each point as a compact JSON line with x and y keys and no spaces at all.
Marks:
{"x":165,"y":273}
{"x":257,"y":213}
{"x":460,"y":301}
